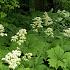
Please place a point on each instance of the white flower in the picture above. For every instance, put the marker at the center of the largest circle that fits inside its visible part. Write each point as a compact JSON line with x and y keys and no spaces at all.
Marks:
{"x":64,"y":13}
{"x":5,"y":34}
{"x":66,"y":32}
{"x":2,"y":31}
{"x":37,"y":18}
{"x":37,"y":23}
{"x":47,"y":19}
{"x":21,"y":31}
{"x":1,"y":34}
{"x":49,"y":32}
{"x":13,"y":66}
{"x":27,"y":56}
{"x":16,"y":52}
{"x":14,"y":38}
{"x":36,"y":30}
{"x":12,"y":58}
{"x":1,"y":28}
{"x":20,"y":37}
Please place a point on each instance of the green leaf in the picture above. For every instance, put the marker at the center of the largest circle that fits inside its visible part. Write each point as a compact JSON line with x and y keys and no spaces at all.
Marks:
{"x":2,"y":14}
{"x":41,"y":67}
{"x":56,"y":57}
{"x":56,"y":52}
{"x":67,"y":60}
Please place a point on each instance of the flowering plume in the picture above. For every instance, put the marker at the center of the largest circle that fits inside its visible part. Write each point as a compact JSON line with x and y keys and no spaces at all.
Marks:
{"x":66,"y":32}
{"x":13,"y":58}
{"x":64,"y":13}
{"x":37,"y":23}
{"x":19,"y":37}
{"x":2,"y":31}
{"x":27,"y":56}
{"x":47,"y":19}
{"x":49,"y":32}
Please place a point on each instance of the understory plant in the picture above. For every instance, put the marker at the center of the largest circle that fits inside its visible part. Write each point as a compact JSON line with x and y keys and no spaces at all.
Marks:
{"x":36,"y":47}
{"x":57,"y":57}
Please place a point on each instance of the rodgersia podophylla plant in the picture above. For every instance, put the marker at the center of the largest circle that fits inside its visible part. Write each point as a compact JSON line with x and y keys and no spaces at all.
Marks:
{"x":27,"y":56}
{"x":2,"y":31}
{"x":66,"y":32}
{"x":63,"y":17}
{"x":49,"y":32}
{"x":43,"y":23}
{"x":20,"y":37}
{"x":37,"y":23}
{"x":13,"y":58}
{"x":47,"y":19}
{"x":64,"y":13}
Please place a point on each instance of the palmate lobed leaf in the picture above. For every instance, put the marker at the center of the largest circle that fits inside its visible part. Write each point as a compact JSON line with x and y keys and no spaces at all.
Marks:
{"x":55,"y":53}
{"x":56,"y":57}
{"x":55,"y":63}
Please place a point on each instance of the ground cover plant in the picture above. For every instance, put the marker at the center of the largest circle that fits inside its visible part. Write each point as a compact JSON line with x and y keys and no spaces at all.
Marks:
{"x":33,"y":40}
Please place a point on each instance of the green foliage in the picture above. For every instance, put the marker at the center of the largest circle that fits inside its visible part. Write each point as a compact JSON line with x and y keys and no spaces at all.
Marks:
{"x":19,"y":20}
{"x":5,"y":5}
{"x":67,"y":61}
{"x":41,"y":46}
{"x":2,"y":15}
{"x":62,"y":4}
{"x":57,"y":58}
{"x":35,"y":44}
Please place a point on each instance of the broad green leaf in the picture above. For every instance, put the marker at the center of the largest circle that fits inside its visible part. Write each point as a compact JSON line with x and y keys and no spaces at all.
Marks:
{"x":55,"y":53}
{"x":67,"y":60}
{"x":55,"y":57}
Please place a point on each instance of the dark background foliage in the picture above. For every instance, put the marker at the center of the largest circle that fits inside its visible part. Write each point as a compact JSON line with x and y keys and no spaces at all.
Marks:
{"x":44,"y":5}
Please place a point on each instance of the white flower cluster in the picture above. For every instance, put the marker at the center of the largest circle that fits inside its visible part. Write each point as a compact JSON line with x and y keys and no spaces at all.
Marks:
{"x":66,"y":32}
{"x":19,"y":37}
{"x":12,"y":58}
{"x":64,"y":13}
{"x":27,"y":56}
{"x":2,"y":31}
{"x":47,"y":19}
{"x":49,"y":32}
{"x":37,"y":23}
